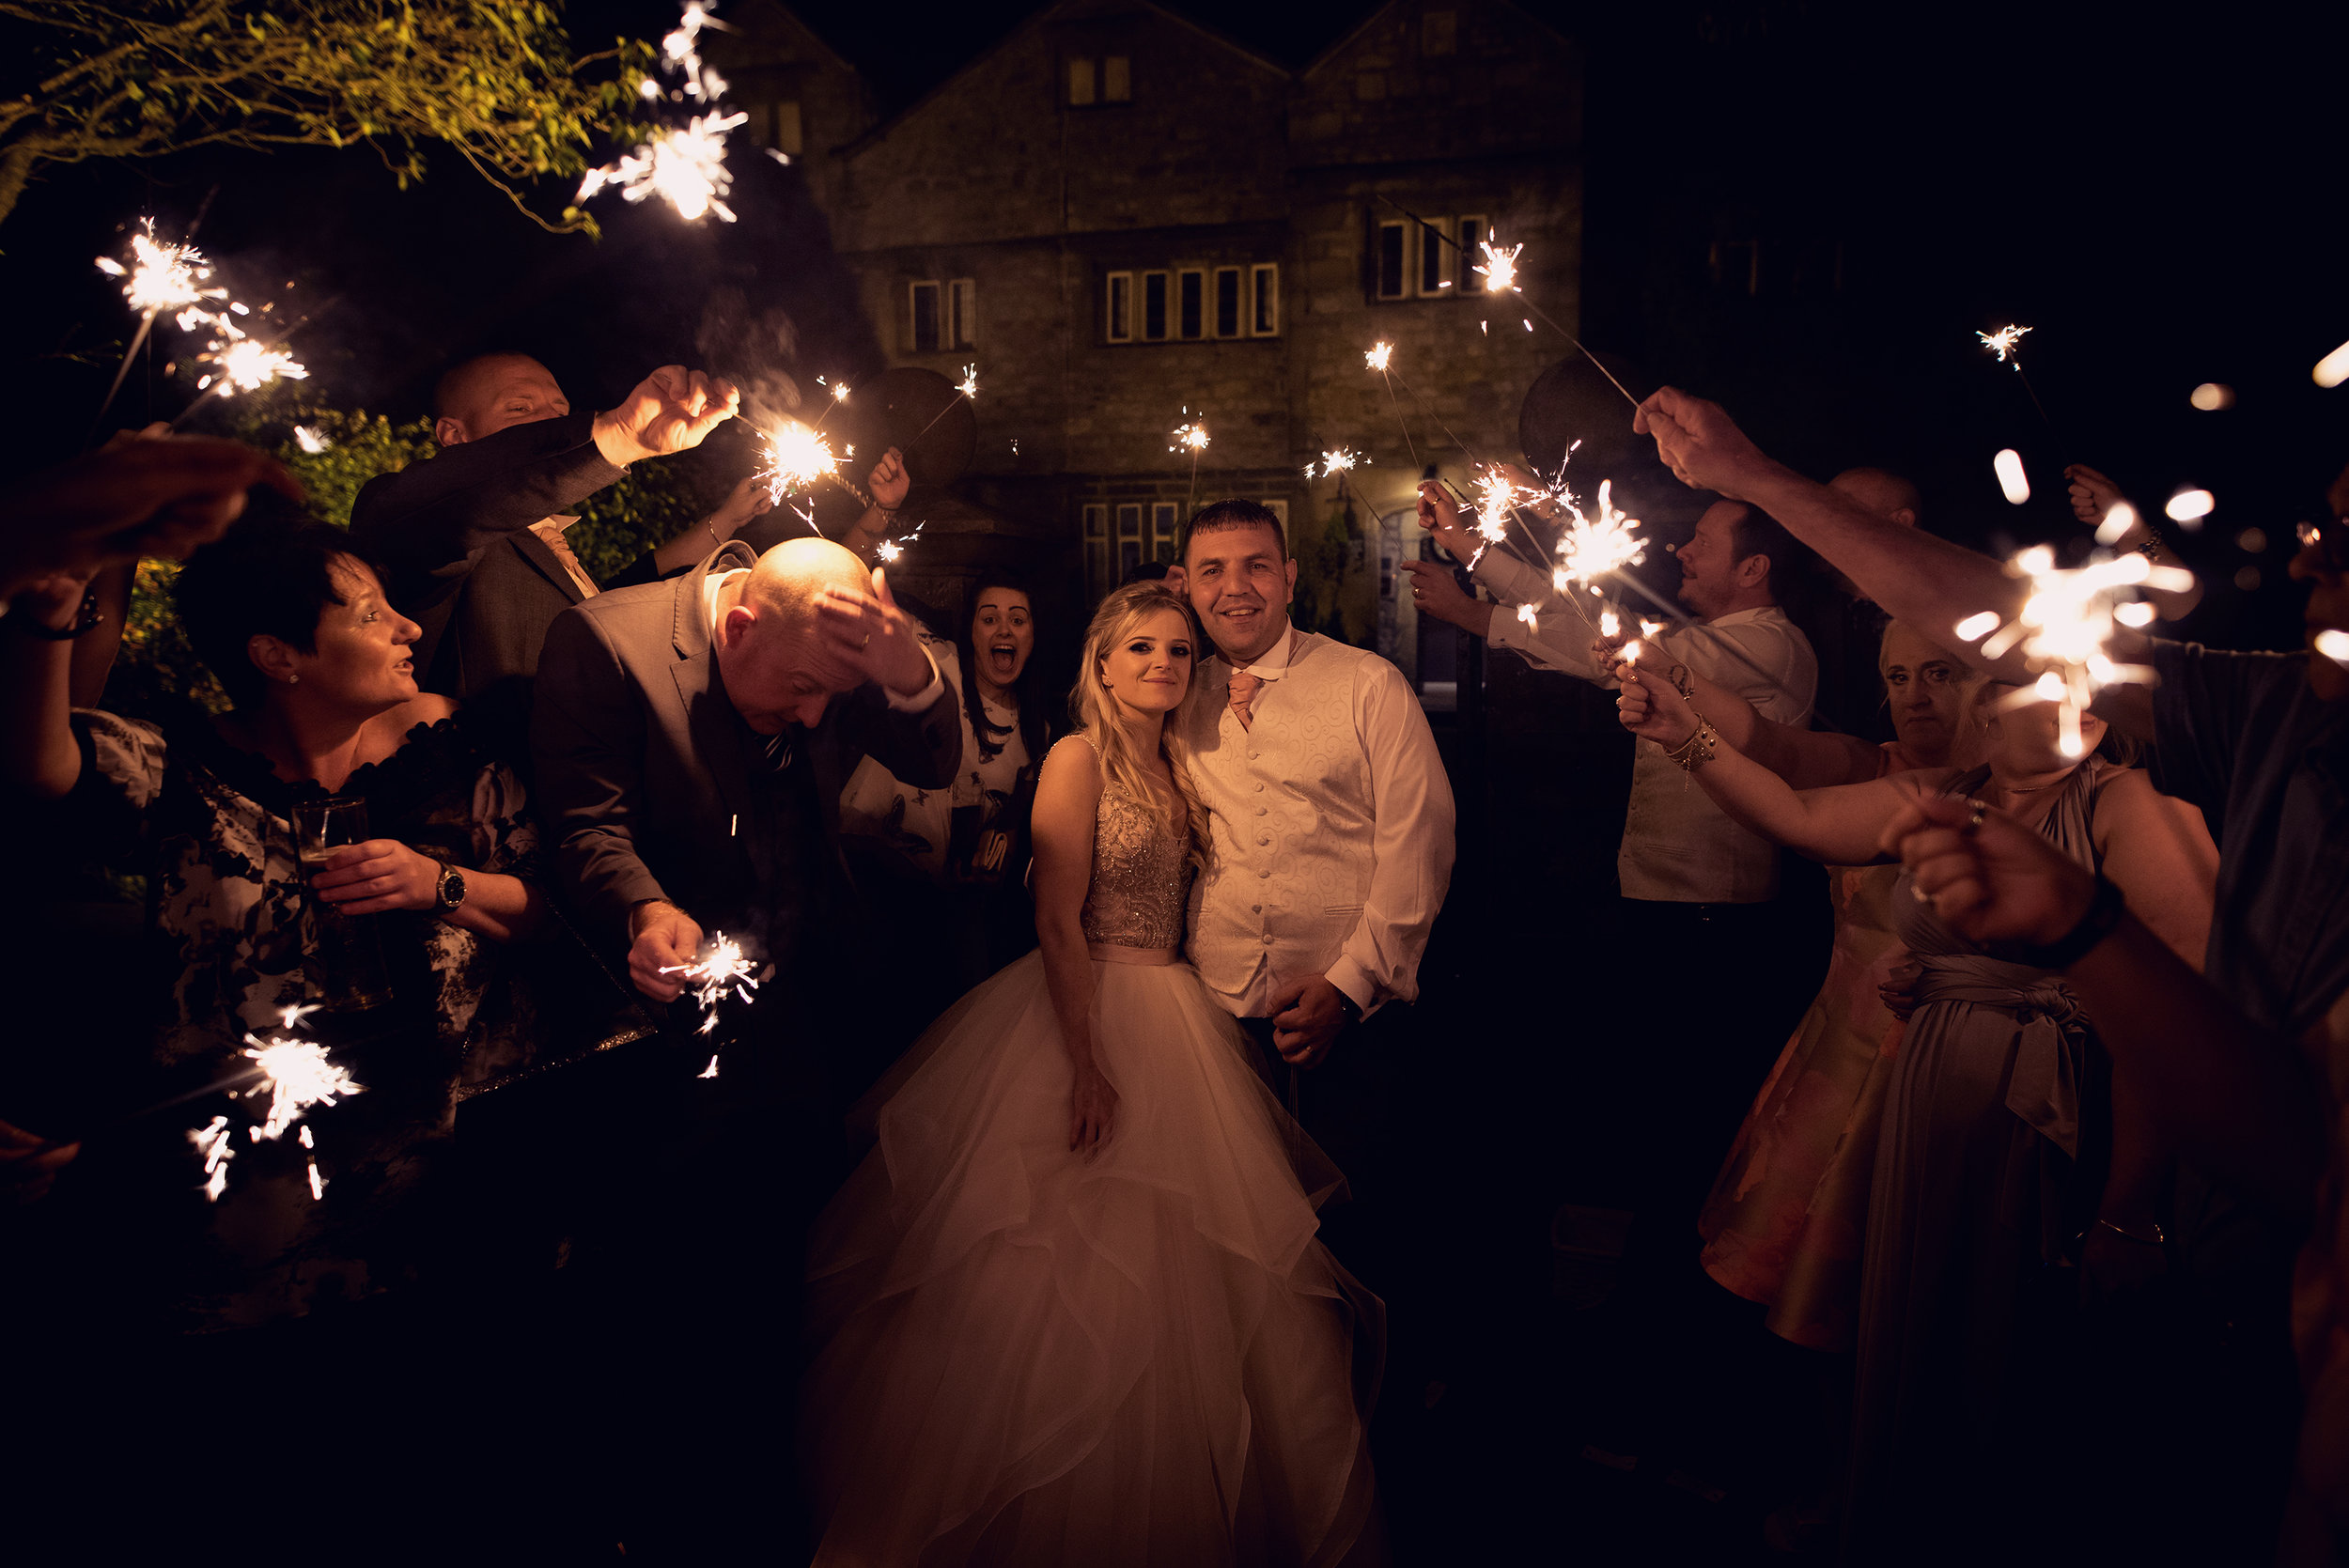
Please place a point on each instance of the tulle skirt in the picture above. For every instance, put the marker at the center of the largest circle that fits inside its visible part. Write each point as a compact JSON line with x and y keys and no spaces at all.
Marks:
{"x":1030,"y":1356}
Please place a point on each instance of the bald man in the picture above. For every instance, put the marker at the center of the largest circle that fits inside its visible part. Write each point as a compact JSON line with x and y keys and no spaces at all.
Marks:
{"x":692,"y":738}
{"x":473,"y":539}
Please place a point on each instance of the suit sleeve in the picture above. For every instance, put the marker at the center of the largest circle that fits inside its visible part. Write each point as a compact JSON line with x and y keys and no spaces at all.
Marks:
{"x":1411,"y":845}
{"x":922,"y":747}
{"x":587,"y":738}
{"x":433,"y":514}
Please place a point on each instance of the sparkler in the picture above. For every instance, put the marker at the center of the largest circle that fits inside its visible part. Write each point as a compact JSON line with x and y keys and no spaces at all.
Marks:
{"x":1500,"y":267}
{"x":2006,"y":343}
{"x":797,"y":458}
{"x":1191,"y":436}
{"x":2066,"y":626}
{"x":309,"y":439}
{"x":296,"y":1074}
{"x":718,"y":973}
{"x":160,"y":277}
{"x":685,"y":167}
{"x":1378,"y":357}
{"x":969,"y":388}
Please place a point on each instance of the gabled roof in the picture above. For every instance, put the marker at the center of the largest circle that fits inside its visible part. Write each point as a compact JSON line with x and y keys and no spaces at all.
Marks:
{"x":1354,"y":33}
{"x":833,"y":55}
{"x":1038,"y":19}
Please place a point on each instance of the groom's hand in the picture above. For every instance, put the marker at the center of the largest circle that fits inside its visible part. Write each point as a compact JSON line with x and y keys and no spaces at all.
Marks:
{"x":1307,"y":1015}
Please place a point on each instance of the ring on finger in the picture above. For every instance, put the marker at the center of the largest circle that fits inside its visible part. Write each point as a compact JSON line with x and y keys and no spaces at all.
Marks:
{"x":1973,"y":823}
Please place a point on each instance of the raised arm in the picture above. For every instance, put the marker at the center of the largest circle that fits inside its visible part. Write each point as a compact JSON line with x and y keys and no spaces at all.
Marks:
{"x":1067,"y":796}
{"x":1838,"y":824}
{"x":1928,"y":583}
{"x":1805,"y":759}
{"x":38,"y":755}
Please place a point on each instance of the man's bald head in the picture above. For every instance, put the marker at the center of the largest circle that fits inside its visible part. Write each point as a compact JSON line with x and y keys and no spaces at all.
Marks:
{"x":490,"y":393}
{"x":1882,"y":492}
{"x":777,"y":669}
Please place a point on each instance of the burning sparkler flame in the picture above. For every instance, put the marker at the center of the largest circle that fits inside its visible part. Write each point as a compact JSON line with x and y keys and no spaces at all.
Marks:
{"x":797,"y":458}
{"x":211,"y":1141}
{"x":1500,"y":267}
{"x":299,"y":1075}
{"x":1340,"y":461}
{"x":969,"y":385}
{"x":687,"y":168}
{"x":720,"y":970}
{"x":162,"y":277}
{"x":245,"y":365}
{"x":2004,"y":342}
{"x":309,"y":439}
{"x":839,"y":391}
{"x":1378,"y":357}
{"x":1589,"y":548}
{"x":1191,"y":437}
{"x":2065,"y":628}
{"x":1495,"y":499}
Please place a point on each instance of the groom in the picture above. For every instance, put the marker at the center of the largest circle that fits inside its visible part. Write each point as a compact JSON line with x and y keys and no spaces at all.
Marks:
{"x":1331,"y":818}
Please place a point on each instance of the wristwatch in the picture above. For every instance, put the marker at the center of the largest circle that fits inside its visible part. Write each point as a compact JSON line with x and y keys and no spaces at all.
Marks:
{"x":450,"y":890}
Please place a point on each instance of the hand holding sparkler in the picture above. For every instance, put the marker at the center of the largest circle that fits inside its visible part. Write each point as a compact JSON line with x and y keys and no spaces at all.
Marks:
{"x":664,"y":941}
{"x":1647,"y":705}
{"x":1700,"y":443}
{"x":670,"y":411}
{"x":1989,"y":876}
{"x":1434,"y":592}
{"x":889,"y":483}
{"x":1440,"y":516}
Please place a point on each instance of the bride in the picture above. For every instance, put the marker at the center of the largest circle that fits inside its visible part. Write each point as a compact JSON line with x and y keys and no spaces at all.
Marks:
{"x":1071,"y":1308}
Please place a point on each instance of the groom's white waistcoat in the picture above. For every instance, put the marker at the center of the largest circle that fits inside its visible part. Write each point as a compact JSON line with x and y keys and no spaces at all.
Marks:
{"x":1331,"y":825}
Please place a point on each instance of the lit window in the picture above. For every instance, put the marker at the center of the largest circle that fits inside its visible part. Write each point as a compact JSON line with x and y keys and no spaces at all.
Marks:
{"x":1435,"y":255}
{"x":1264,"y":319}
{"x":1153,"y":307}
{"x":1227,"y":302}
{"x":1080,"y":81}
{"x":925,"y":335}
{"x":1118,"y":80}
{"x":1438,"y":33}
{"x":1392,"y":247}
{"x":1191,"y":304}
{"x":1121,"y":308}
{"x":963,"y":313}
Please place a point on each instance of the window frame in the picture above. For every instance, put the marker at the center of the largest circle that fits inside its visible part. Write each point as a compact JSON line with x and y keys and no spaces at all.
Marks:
{"x":1081,"y":68}
{"x":1436,"y":239}
{"x":1256,"y":298}
{"x":1166,"y":530}
{"x":1240,"y":302}
{"x":1165,"y":281}
{"x":914,"y":317}
{"x":1112,"y":67}
{"x":1469,"y":256}
{"x":1125,"y":538}
{"x":962,"y":314}
{"x":1401,"y":261}
{"x":1184,"y":277}
{"x":1117,"y":315}
{"x":1094,"y":530}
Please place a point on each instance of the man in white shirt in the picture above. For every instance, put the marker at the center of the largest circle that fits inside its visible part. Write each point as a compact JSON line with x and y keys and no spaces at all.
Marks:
{"x":1329,"y":808}
{"x":1699,"y":904}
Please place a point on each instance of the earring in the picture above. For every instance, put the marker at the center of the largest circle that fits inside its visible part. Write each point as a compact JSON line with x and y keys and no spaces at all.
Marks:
{"x":294,"y":679}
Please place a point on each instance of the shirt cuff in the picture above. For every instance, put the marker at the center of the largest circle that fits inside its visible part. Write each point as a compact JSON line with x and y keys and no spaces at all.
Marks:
{"x":920,"y":701}
{"x":1354,"y":980}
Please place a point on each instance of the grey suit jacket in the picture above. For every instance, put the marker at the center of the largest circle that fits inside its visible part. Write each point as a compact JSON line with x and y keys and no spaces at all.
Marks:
{"x":643,"y":767}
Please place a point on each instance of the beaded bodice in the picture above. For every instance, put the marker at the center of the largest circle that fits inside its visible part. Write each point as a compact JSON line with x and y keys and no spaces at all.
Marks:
{"x":1141,"y":876}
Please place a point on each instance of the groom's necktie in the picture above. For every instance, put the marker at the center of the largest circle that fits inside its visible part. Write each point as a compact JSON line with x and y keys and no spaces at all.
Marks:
{"x":1244,"y":689}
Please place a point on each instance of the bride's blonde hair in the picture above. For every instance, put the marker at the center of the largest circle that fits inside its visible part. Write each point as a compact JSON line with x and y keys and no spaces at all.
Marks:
{"x":1093,"y":708}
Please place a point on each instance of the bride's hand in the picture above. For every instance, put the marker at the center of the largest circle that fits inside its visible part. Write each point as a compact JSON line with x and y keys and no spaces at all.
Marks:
{"x":1091,"y":1106}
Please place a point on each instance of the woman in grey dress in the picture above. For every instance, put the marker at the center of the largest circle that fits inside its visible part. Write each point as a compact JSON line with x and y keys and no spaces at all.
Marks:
{"x":1979,"y":1180}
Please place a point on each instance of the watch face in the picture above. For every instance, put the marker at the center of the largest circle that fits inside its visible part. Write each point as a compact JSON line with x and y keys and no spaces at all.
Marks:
{"x":452,"y":889}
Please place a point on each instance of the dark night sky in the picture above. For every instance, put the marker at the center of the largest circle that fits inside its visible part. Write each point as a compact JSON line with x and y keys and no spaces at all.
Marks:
{"x":2161,"y":199}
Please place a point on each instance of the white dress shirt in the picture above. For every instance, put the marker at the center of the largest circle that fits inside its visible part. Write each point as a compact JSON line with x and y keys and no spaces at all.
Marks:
{"x":1678,"y":845}
{"x":1329,"y":819}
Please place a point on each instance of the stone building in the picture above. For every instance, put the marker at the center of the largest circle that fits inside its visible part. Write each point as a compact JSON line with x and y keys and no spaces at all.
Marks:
{"x":1129,"y":222}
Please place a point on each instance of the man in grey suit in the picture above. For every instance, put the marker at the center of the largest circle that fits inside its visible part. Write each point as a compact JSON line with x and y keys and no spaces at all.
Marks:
{"x":472,"y":538}
{"x":693,"y":738}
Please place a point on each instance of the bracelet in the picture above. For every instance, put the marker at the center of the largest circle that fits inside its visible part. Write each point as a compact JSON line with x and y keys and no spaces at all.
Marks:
{"x":2159,"y":1238}
{"x":1683,"y":682}
{"x":88,"y":617}
{"x":2103,"y":913}
{"x":1695,"y":752}
{"x":2152,"y":549}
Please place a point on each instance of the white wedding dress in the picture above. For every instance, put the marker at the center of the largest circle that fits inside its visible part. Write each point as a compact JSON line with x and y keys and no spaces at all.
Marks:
{"x":1140,"y":1357}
